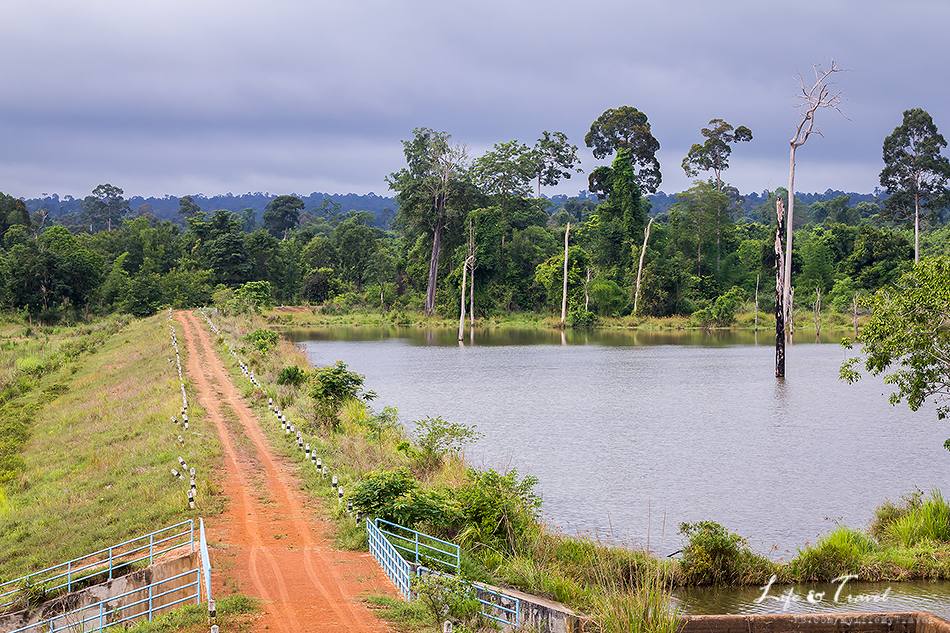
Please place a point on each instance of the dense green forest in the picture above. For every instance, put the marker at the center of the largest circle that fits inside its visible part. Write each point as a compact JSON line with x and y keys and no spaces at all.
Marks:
{"x":709,"y":247}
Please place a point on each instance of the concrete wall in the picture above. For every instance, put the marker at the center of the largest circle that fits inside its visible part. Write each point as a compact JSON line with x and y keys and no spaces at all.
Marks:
{"x":540,"y":615}
{"x":93,"y":595}
{"x":856,"y":622}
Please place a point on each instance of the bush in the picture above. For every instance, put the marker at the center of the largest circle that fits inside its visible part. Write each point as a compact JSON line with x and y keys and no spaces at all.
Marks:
{"x":715,"y":556}
{"x":437,"y":437}
{"x":451,"y":598}
{"x":395,"y":495}
{"x":581,"y":318}
{"x":607,"y":297}
{"x":839,"y":552}
{"x":927,"y":522}
{"x":498,"y":511}
{"x":291,"y":375}
{"x":333,"y":386}
{"x":721,"y":312}
{"x":262,"y":339}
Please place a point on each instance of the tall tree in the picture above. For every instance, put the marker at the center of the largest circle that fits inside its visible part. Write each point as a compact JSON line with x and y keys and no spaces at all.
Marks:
{"x":818,"y":96}
{"x":505,"y":170}
{"x":713,"y":154}
{"x":105,"y":207}
{"x":423,"y":190}
{"x":12,"y":211}
{"x":187,"y":207}
{"x":282,"y":215}
{"x":915,"y":172}
{"x":627,"y":128}
{"x":555,"y":158}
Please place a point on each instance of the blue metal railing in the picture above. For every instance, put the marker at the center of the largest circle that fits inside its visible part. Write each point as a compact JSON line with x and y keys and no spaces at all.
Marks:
{"x":122,"y":609}
{"x":498,"y":606}
{"x":101,"y":565}
{"x":421,"y":548}
{"x":389,"y":558}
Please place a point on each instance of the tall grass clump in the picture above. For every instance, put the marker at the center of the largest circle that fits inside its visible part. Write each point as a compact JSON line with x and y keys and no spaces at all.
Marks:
{"x":841,"y":551}
{"x":928,"y":521}
{"x":646,"y":608}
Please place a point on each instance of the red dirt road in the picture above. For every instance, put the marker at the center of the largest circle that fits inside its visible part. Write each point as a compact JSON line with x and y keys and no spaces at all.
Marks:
{"x":271,"y":545}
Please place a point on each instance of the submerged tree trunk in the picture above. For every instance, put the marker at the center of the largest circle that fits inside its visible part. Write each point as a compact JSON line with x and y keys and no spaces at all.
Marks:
{"x":779,"y":292}
{"x":789,"y":229}
{"x":433,"y":269}
{"x":567,"y":233}
{"x":643,"y":252}
{"x":465,"y":266}
{"x":756,"y":328}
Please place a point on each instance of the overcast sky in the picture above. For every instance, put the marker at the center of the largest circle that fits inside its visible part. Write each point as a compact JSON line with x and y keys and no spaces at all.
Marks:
{"x":213,"y":96}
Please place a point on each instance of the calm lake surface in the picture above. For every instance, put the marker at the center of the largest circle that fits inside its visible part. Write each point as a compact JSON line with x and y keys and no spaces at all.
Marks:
{"x":632,"y":434}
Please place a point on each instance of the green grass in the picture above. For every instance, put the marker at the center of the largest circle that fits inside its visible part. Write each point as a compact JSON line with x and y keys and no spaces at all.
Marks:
{"x":235,"y":613}
{"x":409,"y":617}
{"x":96,"y":447}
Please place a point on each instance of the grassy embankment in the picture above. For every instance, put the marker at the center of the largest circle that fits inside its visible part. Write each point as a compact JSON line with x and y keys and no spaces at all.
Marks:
{"x":314,"y":316}
{"x":86,"y":442}
{"x":616,"y":585}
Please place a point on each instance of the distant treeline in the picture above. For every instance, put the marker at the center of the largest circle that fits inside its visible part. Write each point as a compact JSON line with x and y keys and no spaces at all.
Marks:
{"x":383,"y":208}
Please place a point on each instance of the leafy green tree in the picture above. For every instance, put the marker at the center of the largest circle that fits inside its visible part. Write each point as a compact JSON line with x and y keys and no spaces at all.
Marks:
{"x":915,"y":172}
{"x":187,"y":207}
{"x":105,"y":207}
{"x":431,"y":194}
{"x":702,"y":211}
{"x":713,"y":155}
{"x":505,"y":171}
{"x":187,"y":288}
{"x":355,"y":244}
{"x":144,"y":295}
{"x":627,"y":128}
{"x":332,"y":387}
{"x":549,"y":275}
{"x":907,"y":338}
{"x":878,"y":258}
{"x":555,"y":158}
{"x":282,"y":215}
{"x":12,"y":212}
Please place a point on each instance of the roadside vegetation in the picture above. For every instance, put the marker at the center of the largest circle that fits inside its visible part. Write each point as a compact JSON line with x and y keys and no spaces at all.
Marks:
{"x":87,"y":445}
{"x":236,"y":613}
{"x":415,"y":474}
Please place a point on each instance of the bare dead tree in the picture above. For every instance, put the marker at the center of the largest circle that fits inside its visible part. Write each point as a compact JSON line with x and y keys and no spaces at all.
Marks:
{"x":817,"y":313}
{"x":471,"y":284}
{"x":465,"y":265}
{"x":779,"y":290}
{"x":567,"y":233}
{"x":756,"y":328}
{"x":587,"y":288}
{"x":854,"y":313}
{"x":643,"y":252}
{"x":819,"y":95}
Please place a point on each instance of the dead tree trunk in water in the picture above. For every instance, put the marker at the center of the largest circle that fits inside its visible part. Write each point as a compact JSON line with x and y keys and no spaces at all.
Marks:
{"x":854,"y":314}
{"x":468,"y":262}
{"x":567,"y":233}
{"x":779,"y":291}
{"x":643,"y":252}
{"x":756,"y":328}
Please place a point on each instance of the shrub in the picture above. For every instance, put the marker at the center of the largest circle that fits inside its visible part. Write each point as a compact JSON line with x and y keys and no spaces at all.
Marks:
{"x":722,"y":311}
{"x":450,"y":598}
{"x":253,"y":295}
{"x":607,"y":297}
{"x":437,"y":437}
{"x":291,"y":375}
{"x":837,"y":553}
{"x":334,"y":385}
{"x":715,"y":556}
{"x":380,"y":423}
{"x":498,"y":511}
{"x":262,"y":339}
{"x":581,"y":318}
{"x":888,"y":512}
{"x":395,"y":495}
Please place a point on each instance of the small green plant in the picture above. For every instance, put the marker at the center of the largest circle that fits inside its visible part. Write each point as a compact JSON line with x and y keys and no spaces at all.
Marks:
{"x":292,"y":375}
{"x":263,"y":339}
{"x":437,"y":437}
{"x":378,"y":424}
{"x":581,"y":318}
{"x":453,"y":599}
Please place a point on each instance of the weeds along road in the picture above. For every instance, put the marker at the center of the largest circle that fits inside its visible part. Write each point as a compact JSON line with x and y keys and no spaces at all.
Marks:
{"x":271,"y":544}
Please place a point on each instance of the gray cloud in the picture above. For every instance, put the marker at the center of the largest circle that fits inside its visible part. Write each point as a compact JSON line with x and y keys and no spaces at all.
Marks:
{"x":213,"y":96}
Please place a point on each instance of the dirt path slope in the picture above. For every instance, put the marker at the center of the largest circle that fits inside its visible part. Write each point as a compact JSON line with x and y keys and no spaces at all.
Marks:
{"x":273,"y":546}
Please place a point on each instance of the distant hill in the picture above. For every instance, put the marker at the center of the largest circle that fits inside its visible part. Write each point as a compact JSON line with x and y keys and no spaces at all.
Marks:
{"x":383,"y":208}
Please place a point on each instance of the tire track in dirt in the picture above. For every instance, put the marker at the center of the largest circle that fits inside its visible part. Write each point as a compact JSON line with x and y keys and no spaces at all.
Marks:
{"x":306,"y":584}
